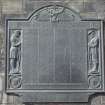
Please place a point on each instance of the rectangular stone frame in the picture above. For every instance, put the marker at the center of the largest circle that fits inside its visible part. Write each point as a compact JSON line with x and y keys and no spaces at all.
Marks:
{"x":60,"y":94}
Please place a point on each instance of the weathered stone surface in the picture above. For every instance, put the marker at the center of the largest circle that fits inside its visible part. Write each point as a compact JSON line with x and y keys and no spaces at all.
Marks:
{"x":48,"y":61}
{"x":55,"y":104}
{"x":97,"y":11}
{"x":96,"y":100}
{"x":12,"y":6}
{"x":103,"y":99}
{"x":76,"y":5}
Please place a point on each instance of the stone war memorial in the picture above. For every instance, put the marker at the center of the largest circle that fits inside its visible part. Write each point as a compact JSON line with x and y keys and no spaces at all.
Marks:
{"x":54,"y":55}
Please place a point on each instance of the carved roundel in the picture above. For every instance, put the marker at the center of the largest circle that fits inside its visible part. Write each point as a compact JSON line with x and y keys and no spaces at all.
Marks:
{"x":94,"y":82}
{"x":15,"y":81}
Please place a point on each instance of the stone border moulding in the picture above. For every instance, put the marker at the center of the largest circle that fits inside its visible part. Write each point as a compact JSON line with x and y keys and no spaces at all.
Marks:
{"x":95,"y":51}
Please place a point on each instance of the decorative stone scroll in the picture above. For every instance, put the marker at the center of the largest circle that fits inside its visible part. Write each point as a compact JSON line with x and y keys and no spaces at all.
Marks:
{"x":15,"y":59}
{"x":54,"y":11}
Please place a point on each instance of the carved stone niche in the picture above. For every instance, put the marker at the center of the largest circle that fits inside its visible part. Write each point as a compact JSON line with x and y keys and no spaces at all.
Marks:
{"x":54,"y":56}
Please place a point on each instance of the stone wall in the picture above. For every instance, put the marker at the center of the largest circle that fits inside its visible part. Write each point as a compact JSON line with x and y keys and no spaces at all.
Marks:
{"x":91,"y":9}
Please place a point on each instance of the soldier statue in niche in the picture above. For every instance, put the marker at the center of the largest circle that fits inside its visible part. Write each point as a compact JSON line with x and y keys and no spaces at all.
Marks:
{"x":15,"y":51}
{"x":93,"y":46}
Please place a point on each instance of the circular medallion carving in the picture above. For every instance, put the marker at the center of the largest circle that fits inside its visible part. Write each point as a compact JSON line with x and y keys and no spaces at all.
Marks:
{"x":15,"y":81}
{"x":94,"y":82}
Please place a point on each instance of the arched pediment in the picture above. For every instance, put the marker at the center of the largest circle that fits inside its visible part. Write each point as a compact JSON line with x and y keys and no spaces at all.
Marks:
{"x":54,"y":13}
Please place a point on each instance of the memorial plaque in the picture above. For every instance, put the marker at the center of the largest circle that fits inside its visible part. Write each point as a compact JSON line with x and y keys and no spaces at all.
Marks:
{"x":54,"y":56}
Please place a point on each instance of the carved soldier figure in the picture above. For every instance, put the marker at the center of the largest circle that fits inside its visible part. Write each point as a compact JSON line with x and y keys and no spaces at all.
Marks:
{"x":93,"y":51}
{"x":15,"y":51}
